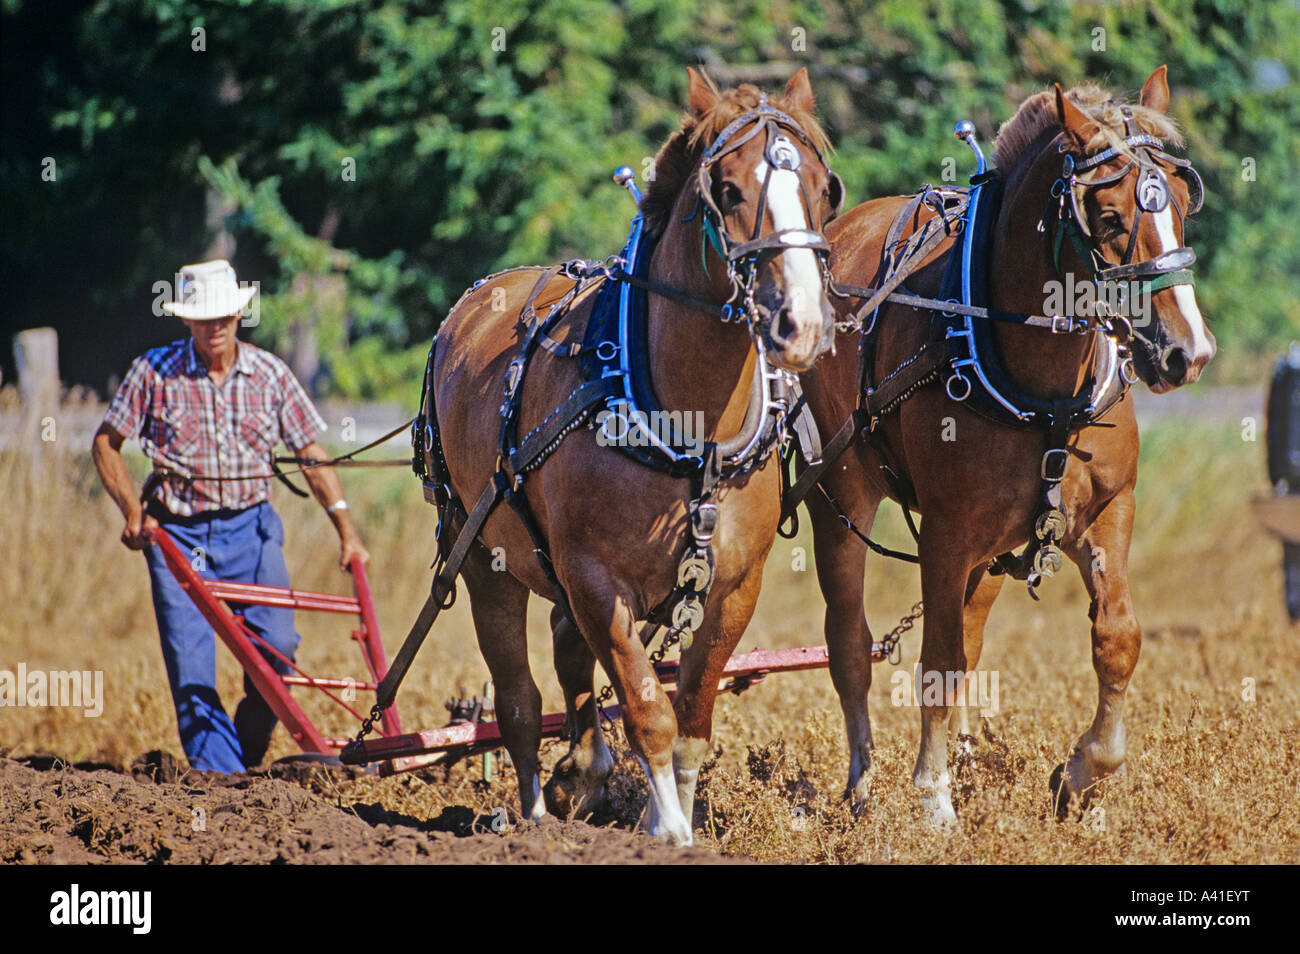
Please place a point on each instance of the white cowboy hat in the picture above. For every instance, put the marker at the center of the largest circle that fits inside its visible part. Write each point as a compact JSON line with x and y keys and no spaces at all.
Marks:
{"x":209,"y":290}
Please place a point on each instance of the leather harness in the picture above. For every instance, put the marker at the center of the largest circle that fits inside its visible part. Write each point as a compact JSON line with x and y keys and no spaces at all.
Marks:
{"x":958,"y":342}
{"x":614,"y":361}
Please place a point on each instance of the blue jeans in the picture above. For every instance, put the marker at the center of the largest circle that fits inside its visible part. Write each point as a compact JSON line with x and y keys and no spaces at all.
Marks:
{"x":240,"y":545}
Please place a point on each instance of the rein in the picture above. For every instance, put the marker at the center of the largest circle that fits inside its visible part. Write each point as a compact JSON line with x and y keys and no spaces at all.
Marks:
{"x":304,"y":464}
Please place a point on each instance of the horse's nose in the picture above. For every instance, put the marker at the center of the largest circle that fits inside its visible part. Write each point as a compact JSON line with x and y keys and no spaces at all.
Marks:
{"x":784,"y":329}
{"x":1175,"y":364}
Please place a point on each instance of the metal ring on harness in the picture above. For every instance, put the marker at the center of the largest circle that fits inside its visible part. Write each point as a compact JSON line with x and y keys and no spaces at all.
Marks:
{"x":607,"y":355}
{"x":607,"y":435}
{"x":1128,"y":370}
{"x":948,"y":386}
{"x":1120,"y":328}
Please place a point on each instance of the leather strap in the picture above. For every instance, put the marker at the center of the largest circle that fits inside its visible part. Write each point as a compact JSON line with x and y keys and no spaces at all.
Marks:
{"x":560,"y":423}
{"x":899,"y":384}
{"x":809,"y":478}
{"x":443,"y":583}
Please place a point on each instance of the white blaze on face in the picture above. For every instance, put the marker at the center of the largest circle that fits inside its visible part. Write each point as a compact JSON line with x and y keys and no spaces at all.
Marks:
{"x":1185,"y":295}
{"x":803,"y":279}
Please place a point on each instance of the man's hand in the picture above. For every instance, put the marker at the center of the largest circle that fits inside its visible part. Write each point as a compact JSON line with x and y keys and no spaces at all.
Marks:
{"x":106,"y":451}
{"x":352,"y":547}
{"x":137,"y":522}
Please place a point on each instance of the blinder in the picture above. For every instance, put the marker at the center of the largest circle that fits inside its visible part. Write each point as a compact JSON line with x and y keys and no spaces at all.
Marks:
{"x":1195,"y":187}
{"x":835,"y":190}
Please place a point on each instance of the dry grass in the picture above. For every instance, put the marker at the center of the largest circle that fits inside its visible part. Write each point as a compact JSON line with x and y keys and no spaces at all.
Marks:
{"x":1211,"y":777}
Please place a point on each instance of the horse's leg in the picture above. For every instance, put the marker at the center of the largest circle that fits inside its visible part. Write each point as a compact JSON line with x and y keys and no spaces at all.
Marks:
{"x":945,"y":571}
{"x":841,"y":567}
{"x":499,"y":605}
{"x":982,"y":590}
{"x":1102,"y":557}
{"x":602,"y":608}
{"x":577,"y":785}
{"x":697,"y":681}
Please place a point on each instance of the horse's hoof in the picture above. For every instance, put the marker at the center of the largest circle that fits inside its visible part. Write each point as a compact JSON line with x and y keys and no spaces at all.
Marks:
{"x":857,"y":804}
{"x":1060,"y":793}
{"x":939,"y":814}
{"x":570,"y":794}
{"x":858,"y":795}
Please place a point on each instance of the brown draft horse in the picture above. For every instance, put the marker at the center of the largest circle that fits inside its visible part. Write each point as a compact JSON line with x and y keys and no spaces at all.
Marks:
{"x":977,"y":493}
{"x":614,"y":528}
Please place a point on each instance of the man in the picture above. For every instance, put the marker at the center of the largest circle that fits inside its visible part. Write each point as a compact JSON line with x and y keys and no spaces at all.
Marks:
{"x":1280,"y":511}
{"x":208,"y":410}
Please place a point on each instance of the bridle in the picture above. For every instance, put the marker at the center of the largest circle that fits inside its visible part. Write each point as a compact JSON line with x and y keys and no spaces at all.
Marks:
{"x":742,"y":259}
{"x":1152,"y":193}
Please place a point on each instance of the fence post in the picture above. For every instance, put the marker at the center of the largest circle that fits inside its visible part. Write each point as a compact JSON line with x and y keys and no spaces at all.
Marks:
{"x":36,"y":355}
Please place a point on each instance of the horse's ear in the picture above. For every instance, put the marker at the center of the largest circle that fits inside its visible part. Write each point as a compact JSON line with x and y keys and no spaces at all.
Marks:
{"x":702,"y":96}
{"x":1072,"y":119}
{"x":1155,"y":91}
{"x":798,"y":92}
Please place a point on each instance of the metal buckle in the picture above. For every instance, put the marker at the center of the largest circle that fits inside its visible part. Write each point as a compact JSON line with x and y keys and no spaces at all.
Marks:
{"x":514,"y":373}
{"x":704,"y":519}
{"x":1062,"y":324}
{"x":1050,"y":471}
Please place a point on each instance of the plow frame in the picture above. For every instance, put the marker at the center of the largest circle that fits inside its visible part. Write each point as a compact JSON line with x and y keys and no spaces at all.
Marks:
{"x":394,"y":750}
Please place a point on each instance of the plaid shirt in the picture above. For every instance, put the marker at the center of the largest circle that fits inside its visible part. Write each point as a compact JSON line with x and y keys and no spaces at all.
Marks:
{"x":189,"y":424}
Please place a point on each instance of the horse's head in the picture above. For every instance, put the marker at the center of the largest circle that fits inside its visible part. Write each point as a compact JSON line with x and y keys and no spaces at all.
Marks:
{"x":760,"y":193}
{"x":1123,"y":203}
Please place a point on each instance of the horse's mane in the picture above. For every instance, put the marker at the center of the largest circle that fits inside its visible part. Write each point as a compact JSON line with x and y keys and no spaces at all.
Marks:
{"x":1038,"y":113}
{"x":679,"y":156}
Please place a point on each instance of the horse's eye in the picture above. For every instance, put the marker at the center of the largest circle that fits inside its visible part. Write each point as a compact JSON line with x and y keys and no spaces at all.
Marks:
{"x":1111,"y":222}
{"x":729,"y":196}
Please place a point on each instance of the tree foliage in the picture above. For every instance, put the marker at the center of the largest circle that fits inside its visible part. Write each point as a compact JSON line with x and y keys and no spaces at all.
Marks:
{"x":403,"y":150}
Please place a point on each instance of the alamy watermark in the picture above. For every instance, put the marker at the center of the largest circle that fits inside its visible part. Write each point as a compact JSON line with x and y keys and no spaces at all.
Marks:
{"x":169,"y":291}
{"x":623,"y":427}
{"x":131,"y":909}
{"x":976,"y":690}
{"x":75,"y":688}
{"x":1090,"y":298}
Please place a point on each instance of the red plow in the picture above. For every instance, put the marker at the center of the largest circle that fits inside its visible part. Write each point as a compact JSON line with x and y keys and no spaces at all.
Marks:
{"x":393,"y":750}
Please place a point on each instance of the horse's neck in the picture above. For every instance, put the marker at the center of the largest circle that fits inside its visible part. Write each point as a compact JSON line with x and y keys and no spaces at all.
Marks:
{"x":1043,"y":363}
{"x":697,"y":361}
